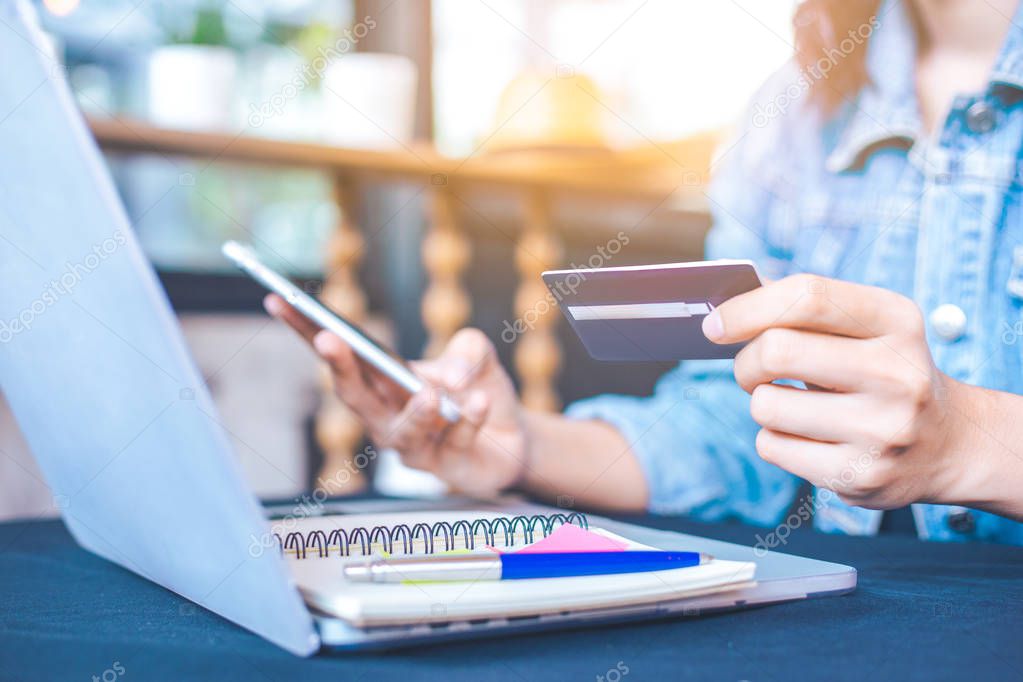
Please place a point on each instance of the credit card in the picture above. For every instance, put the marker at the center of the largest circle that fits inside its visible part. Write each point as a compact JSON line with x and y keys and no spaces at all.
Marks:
{"x":650,"y":313}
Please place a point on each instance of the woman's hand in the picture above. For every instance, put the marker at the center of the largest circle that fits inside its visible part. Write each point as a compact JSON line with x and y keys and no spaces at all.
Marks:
{"x":482,"y":454}
{"x":876,"y":425}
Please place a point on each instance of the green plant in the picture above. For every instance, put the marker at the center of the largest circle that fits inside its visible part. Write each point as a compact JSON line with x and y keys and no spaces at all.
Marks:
{"x":209,"y":28}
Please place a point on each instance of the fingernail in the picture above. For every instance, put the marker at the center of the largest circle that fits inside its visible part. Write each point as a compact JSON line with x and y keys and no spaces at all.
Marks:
{"x":477,"y":404}
{"x":272,"y":304}
{"x":713,"y":327}
{"x":321,"y":342}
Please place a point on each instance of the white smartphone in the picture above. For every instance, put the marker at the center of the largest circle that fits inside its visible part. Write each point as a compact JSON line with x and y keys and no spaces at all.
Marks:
{"x":389,"y":364}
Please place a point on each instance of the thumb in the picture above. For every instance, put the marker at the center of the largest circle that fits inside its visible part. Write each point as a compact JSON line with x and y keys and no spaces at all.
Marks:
{"x":446,"y":374}
{"x":468,"y":354}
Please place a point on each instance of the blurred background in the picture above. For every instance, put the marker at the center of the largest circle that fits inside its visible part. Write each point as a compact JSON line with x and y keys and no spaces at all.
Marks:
{"x":415,"y":163}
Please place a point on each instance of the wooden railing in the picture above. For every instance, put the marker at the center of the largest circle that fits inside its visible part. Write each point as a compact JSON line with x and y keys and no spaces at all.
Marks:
{"x":661,"y":177}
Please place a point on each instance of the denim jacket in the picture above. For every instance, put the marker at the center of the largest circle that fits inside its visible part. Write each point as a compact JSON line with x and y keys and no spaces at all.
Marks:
{"x":866,"y":196}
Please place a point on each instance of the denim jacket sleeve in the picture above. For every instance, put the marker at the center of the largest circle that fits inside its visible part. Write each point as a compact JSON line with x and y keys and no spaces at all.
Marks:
{"x":694,"y":437}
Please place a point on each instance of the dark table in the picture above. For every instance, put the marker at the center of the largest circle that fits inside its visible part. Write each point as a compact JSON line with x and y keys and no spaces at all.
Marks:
{"x":922,"y":610}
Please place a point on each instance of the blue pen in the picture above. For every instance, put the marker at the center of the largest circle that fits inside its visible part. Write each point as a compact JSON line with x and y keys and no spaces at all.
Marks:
{"x":517,"y":566}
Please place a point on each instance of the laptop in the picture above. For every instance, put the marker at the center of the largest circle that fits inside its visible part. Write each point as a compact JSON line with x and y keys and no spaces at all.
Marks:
{"x":120,"y":421}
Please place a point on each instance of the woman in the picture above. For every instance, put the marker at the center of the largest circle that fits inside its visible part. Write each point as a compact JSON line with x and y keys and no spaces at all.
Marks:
{"x":883,"y":165}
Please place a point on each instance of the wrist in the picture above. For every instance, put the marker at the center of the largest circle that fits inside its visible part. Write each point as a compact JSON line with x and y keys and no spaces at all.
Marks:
{"x":521,"y":480}
{"x":967,"y":472}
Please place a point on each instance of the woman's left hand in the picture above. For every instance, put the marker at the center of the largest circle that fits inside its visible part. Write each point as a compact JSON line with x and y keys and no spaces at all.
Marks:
{"x":875,"y":425}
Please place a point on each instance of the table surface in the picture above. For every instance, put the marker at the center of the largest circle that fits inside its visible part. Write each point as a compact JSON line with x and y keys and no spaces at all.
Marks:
{"x":940,"y":611}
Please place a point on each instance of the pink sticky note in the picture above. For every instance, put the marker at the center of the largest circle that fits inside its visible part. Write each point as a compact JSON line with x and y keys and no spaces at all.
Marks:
{"x":571,"y":538}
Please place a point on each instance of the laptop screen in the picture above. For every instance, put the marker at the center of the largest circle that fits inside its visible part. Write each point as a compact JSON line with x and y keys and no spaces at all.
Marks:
{"x":98,"y":376}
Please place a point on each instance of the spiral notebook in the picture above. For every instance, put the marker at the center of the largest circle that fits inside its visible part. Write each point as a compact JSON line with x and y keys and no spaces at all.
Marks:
{"x":316,"y":548}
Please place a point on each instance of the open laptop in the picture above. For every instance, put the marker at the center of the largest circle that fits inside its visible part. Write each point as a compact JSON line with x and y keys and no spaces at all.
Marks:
{"x":97,"y":374}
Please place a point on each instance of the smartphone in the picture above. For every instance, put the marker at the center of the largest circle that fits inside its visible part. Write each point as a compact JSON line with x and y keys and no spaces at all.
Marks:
{"x":389,"y":364}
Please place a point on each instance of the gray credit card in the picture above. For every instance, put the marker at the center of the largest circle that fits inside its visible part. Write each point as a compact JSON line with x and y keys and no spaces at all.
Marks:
{"x":650,"y":312}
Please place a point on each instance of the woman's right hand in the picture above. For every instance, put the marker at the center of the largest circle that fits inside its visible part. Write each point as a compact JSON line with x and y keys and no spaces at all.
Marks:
{"x":484,"y":453}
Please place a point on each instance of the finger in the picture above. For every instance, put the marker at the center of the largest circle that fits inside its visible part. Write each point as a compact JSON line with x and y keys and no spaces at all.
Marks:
{"x":277,"y":307}
{"x":819,"y":463}
{"x":460,"y":442}
{"x":416,"y":430}
{"x":835,"y":363}
{"x":435,"y":373}
{"x":447,"y":377}
{"x":468,"y":355}
{"x":462,"y":436}
{"x":389,"y":391}
{"x":432,"y":371}
{"x":811,"y":303}
{"x":349,"y":382}
{"x":825,"y":417}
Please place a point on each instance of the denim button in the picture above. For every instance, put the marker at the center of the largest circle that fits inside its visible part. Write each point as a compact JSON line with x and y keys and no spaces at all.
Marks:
{"x":948,"y":321}
{"x":961,"y":522}
{"x":980,"y":117}
{"x":1015,"y":284}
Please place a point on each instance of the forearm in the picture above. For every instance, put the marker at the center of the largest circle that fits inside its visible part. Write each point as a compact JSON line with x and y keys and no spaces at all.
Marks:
{"x":985,"y":447}
{"x":587,"y":462}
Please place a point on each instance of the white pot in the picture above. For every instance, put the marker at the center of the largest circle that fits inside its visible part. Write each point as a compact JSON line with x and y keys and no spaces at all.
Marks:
{"x":369,"y":100}
{"x":280,"y":99}
{"x":192,"y":87}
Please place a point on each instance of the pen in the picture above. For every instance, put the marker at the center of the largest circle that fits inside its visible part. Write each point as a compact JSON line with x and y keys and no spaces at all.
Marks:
{"x":517,"y":566}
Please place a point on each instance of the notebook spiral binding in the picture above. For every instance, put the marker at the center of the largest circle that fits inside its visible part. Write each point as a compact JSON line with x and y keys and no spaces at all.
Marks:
{"x":364,"y":539}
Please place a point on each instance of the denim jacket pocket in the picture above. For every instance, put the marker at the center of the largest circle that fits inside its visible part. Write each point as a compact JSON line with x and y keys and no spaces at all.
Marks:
{"x":816,"y":234}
